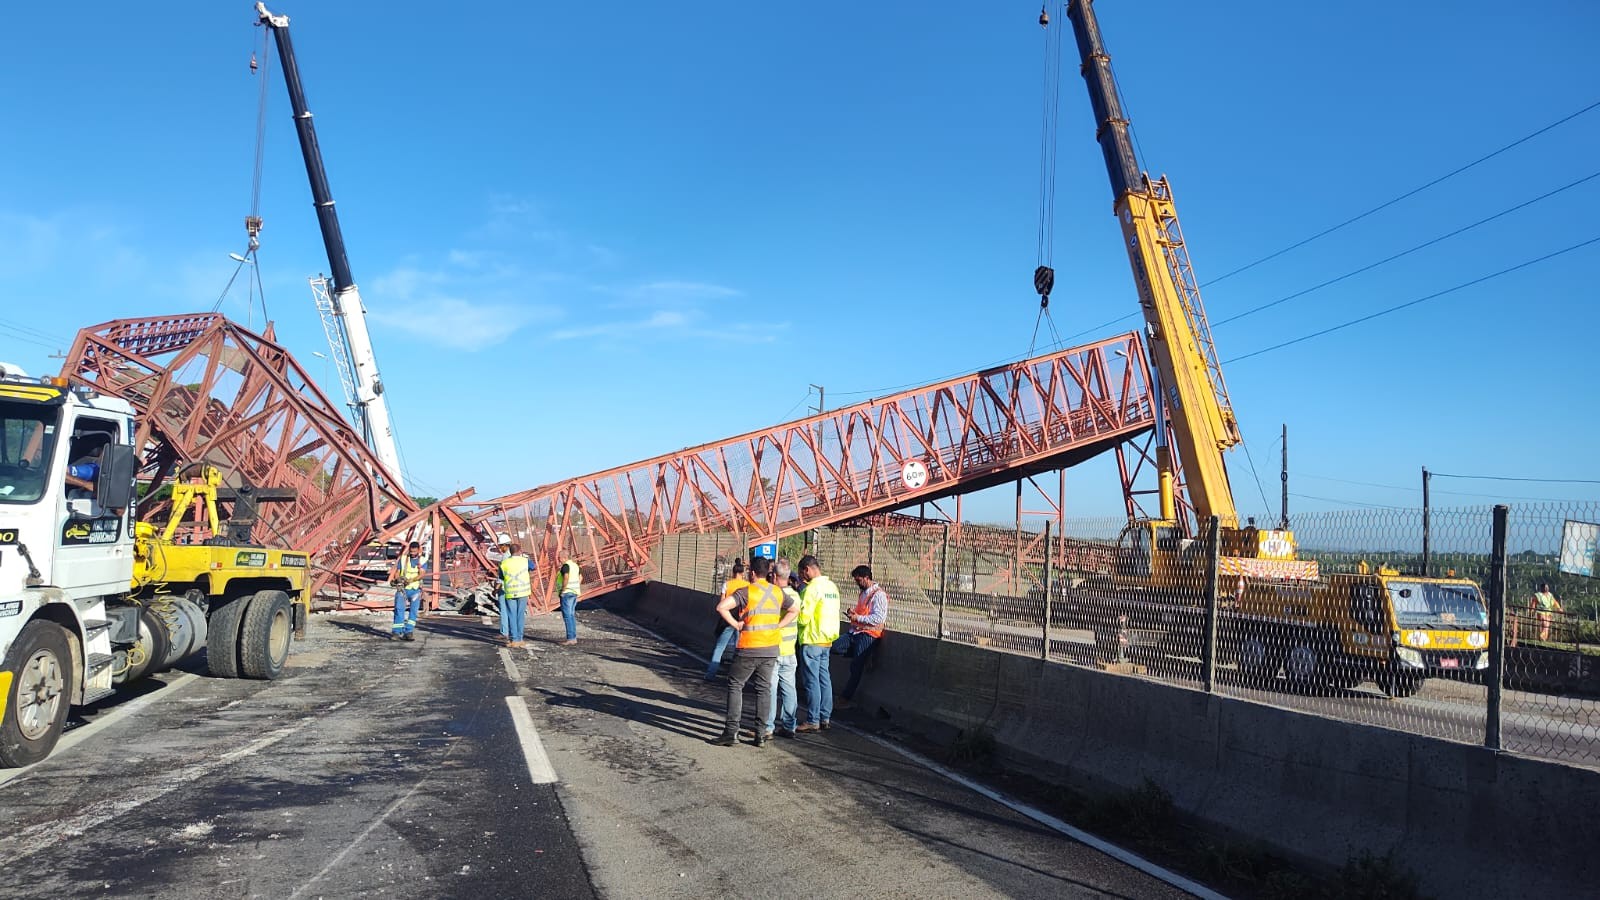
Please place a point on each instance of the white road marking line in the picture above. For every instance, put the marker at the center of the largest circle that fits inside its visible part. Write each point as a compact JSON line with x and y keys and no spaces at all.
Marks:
{"x":78,"y":735}
{"x":49,"y":835}
{"x":511,"y":666}
{"x":1083,"y":837}
{"x":359,"y":838}
{"x":539,"y":768}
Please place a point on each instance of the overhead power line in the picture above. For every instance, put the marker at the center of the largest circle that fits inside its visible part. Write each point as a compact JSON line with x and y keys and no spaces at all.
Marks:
{"x":1516,"y":478}
{"x":1411,"y":193}
{"x":1422,"y":246}
{"x":1409,"y":303}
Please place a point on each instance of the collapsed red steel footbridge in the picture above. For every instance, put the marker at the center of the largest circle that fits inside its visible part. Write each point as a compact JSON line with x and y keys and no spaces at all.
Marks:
{"x":210,"y":391}
{"x":947,"y":438}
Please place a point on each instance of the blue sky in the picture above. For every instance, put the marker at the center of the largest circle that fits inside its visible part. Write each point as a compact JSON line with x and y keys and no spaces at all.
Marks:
{"x":590,"y":233}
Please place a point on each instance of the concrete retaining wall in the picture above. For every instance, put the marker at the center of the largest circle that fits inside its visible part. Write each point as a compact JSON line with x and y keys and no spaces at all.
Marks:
{"x":1469,"y":822}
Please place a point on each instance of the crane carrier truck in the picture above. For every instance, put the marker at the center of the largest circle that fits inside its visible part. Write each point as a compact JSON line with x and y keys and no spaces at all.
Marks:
{"x":1277,"y":611}
{"x":90,"y":597}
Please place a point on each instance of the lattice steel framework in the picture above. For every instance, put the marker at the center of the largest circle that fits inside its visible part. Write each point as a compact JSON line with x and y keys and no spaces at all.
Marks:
{"x":948,"y":438}
{"x":209,"y":391}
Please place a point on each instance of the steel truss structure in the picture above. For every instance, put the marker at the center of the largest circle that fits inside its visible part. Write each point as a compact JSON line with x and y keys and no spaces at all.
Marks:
{"x":945,"y":439}
{"x":209,"y":391}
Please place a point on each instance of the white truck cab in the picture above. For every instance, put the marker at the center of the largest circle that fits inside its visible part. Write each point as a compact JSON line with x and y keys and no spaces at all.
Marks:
{"x":67,"y":467}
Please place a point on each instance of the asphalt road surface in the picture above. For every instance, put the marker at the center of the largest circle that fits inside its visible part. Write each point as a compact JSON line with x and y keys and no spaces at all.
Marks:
{"x":451,"y":767}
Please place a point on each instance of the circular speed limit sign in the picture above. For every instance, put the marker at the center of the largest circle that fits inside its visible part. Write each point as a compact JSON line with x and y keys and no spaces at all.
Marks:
{"x":915,"y":474}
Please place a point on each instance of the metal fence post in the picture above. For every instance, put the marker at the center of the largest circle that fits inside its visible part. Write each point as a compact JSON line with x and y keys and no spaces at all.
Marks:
{"x":1045,"y":654}
{"x":944,"y":577}
{"x":1497,"y":627}
{"x":677,"y":561}
{"x":1208,"y":650}
{"x":870,"y":541}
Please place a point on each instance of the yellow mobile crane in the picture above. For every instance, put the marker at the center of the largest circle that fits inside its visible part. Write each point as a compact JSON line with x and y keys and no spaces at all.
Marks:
{"x":1280,"y":612}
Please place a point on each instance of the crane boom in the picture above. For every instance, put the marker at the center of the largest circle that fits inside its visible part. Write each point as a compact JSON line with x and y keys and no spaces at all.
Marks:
{"x":1193,"y":392}
{"x":371,"y":410}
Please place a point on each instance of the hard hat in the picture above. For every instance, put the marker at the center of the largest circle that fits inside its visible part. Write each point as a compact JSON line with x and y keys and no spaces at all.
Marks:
{"x":502,"y":539}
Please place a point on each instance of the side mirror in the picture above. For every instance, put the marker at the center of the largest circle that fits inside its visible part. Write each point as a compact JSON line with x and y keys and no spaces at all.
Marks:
{"x":81,"y":508}
{"x":114,"y":487}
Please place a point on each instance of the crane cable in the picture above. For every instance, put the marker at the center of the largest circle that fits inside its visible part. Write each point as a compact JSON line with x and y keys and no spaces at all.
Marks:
{"x":252,"y":222}
{"x":1044,"y":275}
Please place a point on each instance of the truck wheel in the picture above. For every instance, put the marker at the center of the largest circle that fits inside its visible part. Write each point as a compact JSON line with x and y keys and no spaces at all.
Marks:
{"x":1400,"y":686}
{"x":1306,"y":665}
{"x":222,"y":637}
{"x":41,"y":666}
{"x":1257,"y":662}
{"x":268,"y":629}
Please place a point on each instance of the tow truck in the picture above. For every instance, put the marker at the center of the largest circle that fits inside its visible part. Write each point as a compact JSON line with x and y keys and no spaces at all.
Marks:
{"x":1276,"y":611}
{"x":91,"y":598}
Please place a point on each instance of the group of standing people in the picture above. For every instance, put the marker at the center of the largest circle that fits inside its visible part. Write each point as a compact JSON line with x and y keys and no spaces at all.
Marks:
{"x":777,"y":622}
{"x":517,"y":576}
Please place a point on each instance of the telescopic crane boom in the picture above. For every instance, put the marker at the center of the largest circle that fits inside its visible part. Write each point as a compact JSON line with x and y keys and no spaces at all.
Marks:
{"x":371,"y":410}
{"x":1193,"y":393}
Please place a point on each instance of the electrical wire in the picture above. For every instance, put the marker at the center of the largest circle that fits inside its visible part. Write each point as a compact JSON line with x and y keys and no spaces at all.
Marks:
{"x":1265,"y":506}
{"x":1422,"y":246}
{"x":1409,"y":303}
{"x":1516,"y":478}
{"x":1411,"y":193}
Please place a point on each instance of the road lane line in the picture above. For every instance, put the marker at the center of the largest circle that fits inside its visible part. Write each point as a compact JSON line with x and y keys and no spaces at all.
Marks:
{"x":78,"y":735}
{"x":50,"y":835}
{"x":539,"y":768}
{"x":1125,"y":857}
{"x":511,"y":666}
{"x":388,"y":811}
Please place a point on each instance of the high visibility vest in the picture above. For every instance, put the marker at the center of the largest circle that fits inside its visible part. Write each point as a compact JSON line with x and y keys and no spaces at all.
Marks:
{"x":571,"y":584}
{"x":514,"y":575}
{"x":863,"y":607}
{"x":763,"y":610}
{"x":789,"y":633}
{"x":410,"y":573}
{"x":1545,"y":601}
{"x":733,"y":584}
{"x":819,"y":612}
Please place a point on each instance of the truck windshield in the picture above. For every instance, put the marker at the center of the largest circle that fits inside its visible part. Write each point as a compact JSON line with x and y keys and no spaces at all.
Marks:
{"x":27,"y":439}
{"x":1418,"y":603}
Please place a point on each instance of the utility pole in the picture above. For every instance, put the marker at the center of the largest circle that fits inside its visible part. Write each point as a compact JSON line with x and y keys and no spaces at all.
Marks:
{"x":1283,"y":521}
{"x":821,"y":399}
{"x":814,"y":536}
{"x":1425,"y":523}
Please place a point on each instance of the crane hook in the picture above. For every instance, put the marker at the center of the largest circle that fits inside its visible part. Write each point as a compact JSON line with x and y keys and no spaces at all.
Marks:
{"x":1044,"y":17}
{"x":253,"y":64}
{"x":1044,"y":281}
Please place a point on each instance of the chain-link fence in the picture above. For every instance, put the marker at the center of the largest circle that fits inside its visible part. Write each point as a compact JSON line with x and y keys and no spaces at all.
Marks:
{"x":1385,"y":617}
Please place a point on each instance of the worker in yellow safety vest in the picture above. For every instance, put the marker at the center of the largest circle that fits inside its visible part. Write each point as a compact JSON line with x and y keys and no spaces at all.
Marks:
{"x":406,"y":576}
{"x":785,"y":701}
{"x":516,"y":585}
{"x":819,"y":628}
{"x":758,"y":612}
{"x":569,"y":583}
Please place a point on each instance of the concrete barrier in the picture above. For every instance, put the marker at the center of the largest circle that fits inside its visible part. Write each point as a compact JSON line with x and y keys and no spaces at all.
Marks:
{"x":1467,"y":821}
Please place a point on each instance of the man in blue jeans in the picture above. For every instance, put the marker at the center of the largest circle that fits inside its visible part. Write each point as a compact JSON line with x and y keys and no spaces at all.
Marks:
{"x":819,"y":628}
{"x":867,"y":619}
{"x":784,"y":701}
{"x":406,"y":576}
{"x":725,"y":633}
{"x":571,"y":582}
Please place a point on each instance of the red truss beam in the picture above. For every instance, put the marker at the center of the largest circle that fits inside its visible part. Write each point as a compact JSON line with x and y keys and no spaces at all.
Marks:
{"x":965,"y":434}
{"x":206,"y":390}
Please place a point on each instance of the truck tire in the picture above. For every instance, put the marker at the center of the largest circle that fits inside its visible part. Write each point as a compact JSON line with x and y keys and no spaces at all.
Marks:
{"x":264,"y":640}
{"x":222,"y":637}
{"x":1400,"y":686}
{"x":40,"y":692}
{"x":1258,"y":661}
